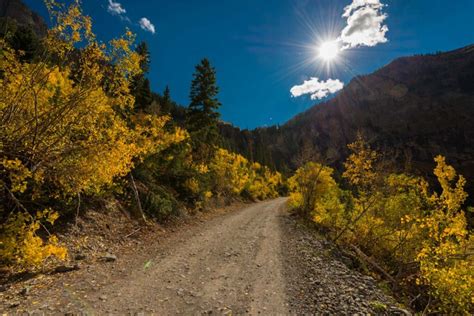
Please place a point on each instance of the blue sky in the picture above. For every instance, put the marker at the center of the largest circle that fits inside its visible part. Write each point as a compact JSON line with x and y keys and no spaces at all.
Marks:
{"x":261,"y":49}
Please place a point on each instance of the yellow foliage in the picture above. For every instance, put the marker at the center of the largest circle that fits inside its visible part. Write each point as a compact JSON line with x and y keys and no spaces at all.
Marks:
{"x":360,"y":164}
{"x":446,"y":258}
{"x":233,"y":174}
{"x":21,"y":246}
{"x":68,"y":124}
{"x":315,"y":193}
{"x":207,"y":195}
{"x":395,"y":219}
{"x":18,"y":174}
{"x":295,"y":200}
{"x":192,"y":185}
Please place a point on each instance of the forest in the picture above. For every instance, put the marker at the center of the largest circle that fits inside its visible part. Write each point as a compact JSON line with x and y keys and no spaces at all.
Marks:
{"x":80,"y":125}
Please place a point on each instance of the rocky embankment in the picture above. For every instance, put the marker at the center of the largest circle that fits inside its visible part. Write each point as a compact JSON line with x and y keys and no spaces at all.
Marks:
{"x":318,"y":282}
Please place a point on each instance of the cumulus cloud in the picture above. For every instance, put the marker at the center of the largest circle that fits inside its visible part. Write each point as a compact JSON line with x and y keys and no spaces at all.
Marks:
{"x":115,"y":8}
{"x":365,"y":24}
{"x":365,"y":27}
{"x":147,"y":25}
{"x":316,"y":88}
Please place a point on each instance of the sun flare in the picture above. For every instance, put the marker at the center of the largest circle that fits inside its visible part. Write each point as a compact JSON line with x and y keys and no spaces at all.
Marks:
{"x":329,"y":50}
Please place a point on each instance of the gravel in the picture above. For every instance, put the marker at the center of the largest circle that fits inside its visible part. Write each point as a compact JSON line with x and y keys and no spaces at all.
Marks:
{"x":319,"y":283}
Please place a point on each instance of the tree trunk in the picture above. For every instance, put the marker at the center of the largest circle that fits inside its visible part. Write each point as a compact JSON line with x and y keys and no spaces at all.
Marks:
{"x":137,"y":212}
{"x":376,"y":266}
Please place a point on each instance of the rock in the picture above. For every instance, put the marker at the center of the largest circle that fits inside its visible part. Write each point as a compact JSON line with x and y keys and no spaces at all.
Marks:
{"x":66,"y":268}
{"x":347,"y":261}
{"x":80,"y":256}
{"x":320,"y":283}
{"x":399,"y":311}
{"x":109,"y":257}
{"x":25,"y":291}
{"x":103,"y":297}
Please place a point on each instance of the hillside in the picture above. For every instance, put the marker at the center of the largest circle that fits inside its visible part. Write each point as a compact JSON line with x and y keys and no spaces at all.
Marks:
{"x":415,"y":108}
{"x":16,"y":10}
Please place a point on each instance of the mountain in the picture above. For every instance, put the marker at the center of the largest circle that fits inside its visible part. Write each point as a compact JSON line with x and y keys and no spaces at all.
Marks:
{"x":16,"y":10}
{"x":414,"y":109}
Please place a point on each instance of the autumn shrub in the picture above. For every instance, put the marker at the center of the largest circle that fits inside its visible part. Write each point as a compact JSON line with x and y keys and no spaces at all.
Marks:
{"x":163,"y":181}
{"x":446,"y":256}
{"x":67,"y":120}
{"x":315,"y":192}
{"x":263,"y":182}
{"x":416,"y":235}
{"x":234,"y":175}
{"x":64,"y":122}
{"x":20,"y":244}
{"x":230,"y":171}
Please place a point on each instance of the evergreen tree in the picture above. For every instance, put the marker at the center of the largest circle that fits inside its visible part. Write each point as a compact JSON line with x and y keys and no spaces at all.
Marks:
{"x":21,"y":38}
{"x":203,"y":112}
{"x":141,"y":85}
{"x":166,"y":102}
{"x":144,"y":52}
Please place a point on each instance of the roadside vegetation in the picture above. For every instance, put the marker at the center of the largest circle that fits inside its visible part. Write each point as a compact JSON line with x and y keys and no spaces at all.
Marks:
{"x":80,"y":124}
{"x":414,"y":236}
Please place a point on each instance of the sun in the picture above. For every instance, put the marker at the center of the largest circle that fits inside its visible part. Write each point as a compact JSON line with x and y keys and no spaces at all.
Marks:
{"x":329,"y":50}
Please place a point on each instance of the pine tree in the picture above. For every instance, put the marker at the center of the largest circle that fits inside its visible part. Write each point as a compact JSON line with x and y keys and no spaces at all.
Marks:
{"x":141,"y":85}
{"x":144,"y":52}
{"x":203,"y":115}
{"x":166,"y":101}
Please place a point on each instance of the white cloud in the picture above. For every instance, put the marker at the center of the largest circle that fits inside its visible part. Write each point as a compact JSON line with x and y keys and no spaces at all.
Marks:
{"x":115,"y":8}
{"x":147,"y":25}
{"x":365,"y":27}
{"x":317,"y":89}
{"x":364,"y":24}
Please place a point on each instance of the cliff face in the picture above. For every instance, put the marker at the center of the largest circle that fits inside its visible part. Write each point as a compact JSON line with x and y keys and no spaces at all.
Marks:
{"x":18,"y":11}
{"x":415,"y":108}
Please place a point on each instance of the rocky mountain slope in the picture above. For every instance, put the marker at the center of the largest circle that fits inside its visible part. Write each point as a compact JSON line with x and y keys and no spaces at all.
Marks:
{"x":415,"y":108}
{"x":19,"y":12}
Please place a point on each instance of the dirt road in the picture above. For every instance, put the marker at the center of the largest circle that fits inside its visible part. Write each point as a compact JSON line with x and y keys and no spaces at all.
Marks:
{"x":234,"y":267}
{"x":257,"y":260}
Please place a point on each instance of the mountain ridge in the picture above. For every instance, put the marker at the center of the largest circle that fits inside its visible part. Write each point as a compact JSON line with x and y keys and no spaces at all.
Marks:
{"x":415,"y":108}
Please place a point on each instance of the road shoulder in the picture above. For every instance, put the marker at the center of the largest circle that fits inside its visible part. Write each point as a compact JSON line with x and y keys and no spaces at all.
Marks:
{"x":319,"y":282}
